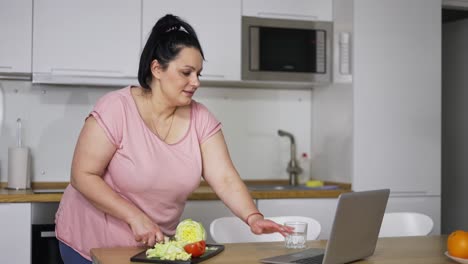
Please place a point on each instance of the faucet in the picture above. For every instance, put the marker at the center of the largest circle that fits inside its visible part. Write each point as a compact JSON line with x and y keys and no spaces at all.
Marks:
{"x":293,"y":167}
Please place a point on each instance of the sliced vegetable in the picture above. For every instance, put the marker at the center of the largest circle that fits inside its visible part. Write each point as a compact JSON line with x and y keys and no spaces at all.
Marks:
{"x":189,"y":231}
{"x":196,"y":249}
{"x":189,"y":242}
{"x":172,"y":250}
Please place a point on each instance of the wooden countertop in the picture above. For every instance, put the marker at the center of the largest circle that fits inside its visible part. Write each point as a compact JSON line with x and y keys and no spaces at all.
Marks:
{"x":396,"y":250}
{"x":204,"y":192}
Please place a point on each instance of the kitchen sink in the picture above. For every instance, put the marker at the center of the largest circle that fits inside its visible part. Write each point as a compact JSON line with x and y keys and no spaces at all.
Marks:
{"x":289,"y":187}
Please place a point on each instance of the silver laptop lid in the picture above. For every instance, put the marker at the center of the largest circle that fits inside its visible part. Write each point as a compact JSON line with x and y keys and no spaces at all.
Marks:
{"x":356,"y":226}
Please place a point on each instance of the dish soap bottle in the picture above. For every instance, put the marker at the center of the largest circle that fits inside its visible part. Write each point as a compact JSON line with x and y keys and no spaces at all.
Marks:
{"x":304,"y":162}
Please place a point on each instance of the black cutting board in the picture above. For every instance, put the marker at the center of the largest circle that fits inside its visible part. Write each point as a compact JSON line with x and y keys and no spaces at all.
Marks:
{"x":214,"y":250}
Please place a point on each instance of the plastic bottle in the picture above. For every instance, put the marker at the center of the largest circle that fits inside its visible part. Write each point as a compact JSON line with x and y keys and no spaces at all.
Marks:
{"x":304,"y":163}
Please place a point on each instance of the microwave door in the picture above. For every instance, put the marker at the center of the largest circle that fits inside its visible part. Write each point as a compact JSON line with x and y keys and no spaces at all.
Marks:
{"x":286,"y":50}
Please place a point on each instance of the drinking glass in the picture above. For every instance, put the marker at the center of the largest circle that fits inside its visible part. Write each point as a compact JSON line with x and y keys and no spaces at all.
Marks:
{"x":298,"y":237}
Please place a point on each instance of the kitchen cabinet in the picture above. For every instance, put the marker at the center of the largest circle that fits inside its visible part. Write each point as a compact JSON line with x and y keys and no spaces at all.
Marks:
{"x":397,"y":102}
{"x":322,"y":210}
{"x":428,"y":205}
{"x":205,"y":212}
{"x":16,"y":32}
{"x":321,"y":10}
{"x":218,"y":26}
{"x":86,"y":42}
{"x":397,"y":96}
{"x":15,"y":227}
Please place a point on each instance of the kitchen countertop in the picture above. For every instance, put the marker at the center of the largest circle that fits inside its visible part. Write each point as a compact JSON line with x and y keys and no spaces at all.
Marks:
{"x":52,"y":192}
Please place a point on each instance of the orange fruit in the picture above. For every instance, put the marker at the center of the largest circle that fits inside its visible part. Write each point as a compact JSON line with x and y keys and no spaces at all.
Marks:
{"x":457,"y":244}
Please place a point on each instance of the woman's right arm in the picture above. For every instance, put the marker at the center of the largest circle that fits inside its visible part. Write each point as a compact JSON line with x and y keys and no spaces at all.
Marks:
{"x":92,"y":155}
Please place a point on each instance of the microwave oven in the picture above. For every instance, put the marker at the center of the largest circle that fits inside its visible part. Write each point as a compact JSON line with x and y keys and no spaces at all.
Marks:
{"x":286,"y":50}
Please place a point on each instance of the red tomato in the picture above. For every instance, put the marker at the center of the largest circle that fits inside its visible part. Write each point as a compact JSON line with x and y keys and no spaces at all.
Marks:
{"x":196,"y":249}
{"x":203,"y":243}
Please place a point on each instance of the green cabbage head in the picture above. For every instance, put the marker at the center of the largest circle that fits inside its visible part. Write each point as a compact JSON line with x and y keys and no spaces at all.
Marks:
{"x":189,"y":231}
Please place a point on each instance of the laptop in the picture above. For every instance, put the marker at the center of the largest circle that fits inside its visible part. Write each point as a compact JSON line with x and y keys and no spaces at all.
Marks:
{"x":354,"y":232}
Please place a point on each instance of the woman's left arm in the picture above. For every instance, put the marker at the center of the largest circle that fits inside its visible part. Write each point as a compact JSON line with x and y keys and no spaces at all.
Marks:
{"x":222,"y":176}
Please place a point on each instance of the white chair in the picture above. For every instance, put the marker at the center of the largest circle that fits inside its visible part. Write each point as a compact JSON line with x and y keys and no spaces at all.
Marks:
{"x":405,"y":224}
{"x":233,"y":230}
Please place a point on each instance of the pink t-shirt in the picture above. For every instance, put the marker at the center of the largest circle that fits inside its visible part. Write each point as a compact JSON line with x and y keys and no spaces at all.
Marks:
{"x":155,"y":176}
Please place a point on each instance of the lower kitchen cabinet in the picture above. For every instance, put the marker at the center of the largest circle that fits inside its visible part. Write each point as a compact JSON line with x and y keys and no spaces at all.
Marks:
{"x":205,"y":212}
{"x":15,"y":229}
{"x":322,"y":210}
{"x":429,"y":205}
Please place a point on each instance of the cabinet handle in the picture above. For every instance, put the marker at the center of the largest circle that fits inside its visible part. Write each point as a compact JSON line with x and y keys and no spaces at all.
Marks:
{"x":5,"y":67}
{"x":85,"y":72}
{"x":14,"y":75}
{"x":47,"y":234}
{"x":408,"y":193}
{"x":268,"y":14}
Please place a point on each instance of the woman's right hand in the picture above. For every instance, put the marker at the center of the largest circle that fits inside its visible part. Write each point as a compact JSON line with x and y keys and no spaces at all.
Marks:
{"x":145,"y":231}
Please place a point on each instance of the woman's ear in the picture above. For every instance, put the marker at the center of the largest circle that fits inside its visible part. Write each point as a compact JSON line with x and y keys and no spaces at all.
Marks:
{"x":156,"y":69}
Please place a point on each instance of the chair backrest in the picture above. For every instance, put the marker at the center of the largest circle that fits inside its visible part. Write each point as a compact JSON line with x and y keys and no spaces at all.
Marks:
{"x":405,"y":224}
{"x":233,"y":230}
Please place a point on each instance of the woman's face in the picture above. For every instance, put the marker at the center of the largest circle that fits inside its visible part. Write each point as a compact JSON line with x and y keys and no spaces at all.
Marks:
{"x":179,"y":81}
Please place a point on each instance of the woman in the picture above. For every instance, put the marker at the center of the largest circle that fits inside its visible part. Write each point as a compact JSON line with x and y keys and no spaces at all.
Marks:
{"x":142,"y":152}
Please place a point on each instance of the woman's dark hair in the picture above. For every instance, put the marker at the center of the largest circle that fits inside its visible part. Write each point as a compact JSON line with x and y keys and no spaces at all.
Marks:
{"x":169,"y":35}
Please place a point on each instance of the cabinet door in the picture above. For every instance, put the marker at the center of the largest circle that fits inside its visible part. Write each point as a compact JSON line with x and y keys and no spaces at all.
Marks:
{"x":86,"y":38}
{"x":16,"y":37}
{"x":205,"y":212}
{"x":428,"y":205}
{"x":218,"y":25}
{"x":15,"y":227}
{"x":298,"y":9}
{"x":397,"y":96}
{"x":322,"y":210}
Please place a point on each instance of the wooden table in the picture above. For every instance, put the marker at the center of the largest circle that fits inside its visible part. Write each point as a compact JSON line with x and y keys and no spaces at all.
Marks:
{"x":403,"y":250}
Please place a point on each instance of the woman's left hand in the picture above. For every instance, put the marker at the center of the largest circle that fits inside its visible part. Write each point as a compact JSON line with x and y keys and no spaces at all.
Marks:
{"x":265,"y":226}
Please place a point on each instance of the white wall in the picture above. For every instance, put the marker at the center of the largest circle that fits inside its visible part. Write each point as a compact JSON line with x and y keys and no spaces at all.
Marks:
{"x":455,"y":126}
{"x":53,"y":116}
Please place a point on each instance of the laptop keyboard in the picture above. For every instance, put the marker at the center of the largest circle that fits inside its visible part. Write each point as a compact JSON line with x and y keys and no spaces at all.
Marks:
{"x":312,"y":260}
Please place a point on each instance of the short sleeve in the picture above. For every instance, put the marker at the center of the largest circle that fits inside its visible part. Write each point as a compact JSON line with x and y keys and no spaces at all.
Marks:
{"x":206,"y":123}
{"x":109,"y":113}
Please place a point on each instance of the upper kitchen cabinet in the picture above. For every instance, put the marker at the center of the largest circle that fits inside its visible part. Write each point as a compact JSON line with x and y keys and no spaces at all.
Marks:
{"x":320,"y":10}
{"x":16,"y":36}
{"x":218,"y":26}
{"x":86,"y":41}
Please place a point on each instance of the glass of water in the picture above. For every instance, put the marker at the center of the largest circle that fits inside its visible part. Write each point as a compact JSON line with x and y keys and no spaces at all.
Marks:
{"x":298,"y":237}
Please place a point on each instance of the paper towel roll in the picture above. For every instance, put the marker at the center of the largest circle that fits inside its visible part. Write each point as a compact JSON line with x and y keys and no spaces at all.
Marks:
{"x":18,"y":168}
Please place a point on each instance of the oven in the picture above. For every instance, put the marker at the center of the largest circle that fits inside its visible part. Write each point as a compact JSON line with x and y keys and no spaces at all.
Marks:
{"x":44,"y":244}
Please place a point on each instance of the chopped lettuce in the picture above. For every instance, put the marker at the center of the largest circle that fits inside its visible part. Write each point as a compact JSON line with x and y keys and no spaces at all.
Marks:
{"x":171,"y":250}
{"x":189,"y":231}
